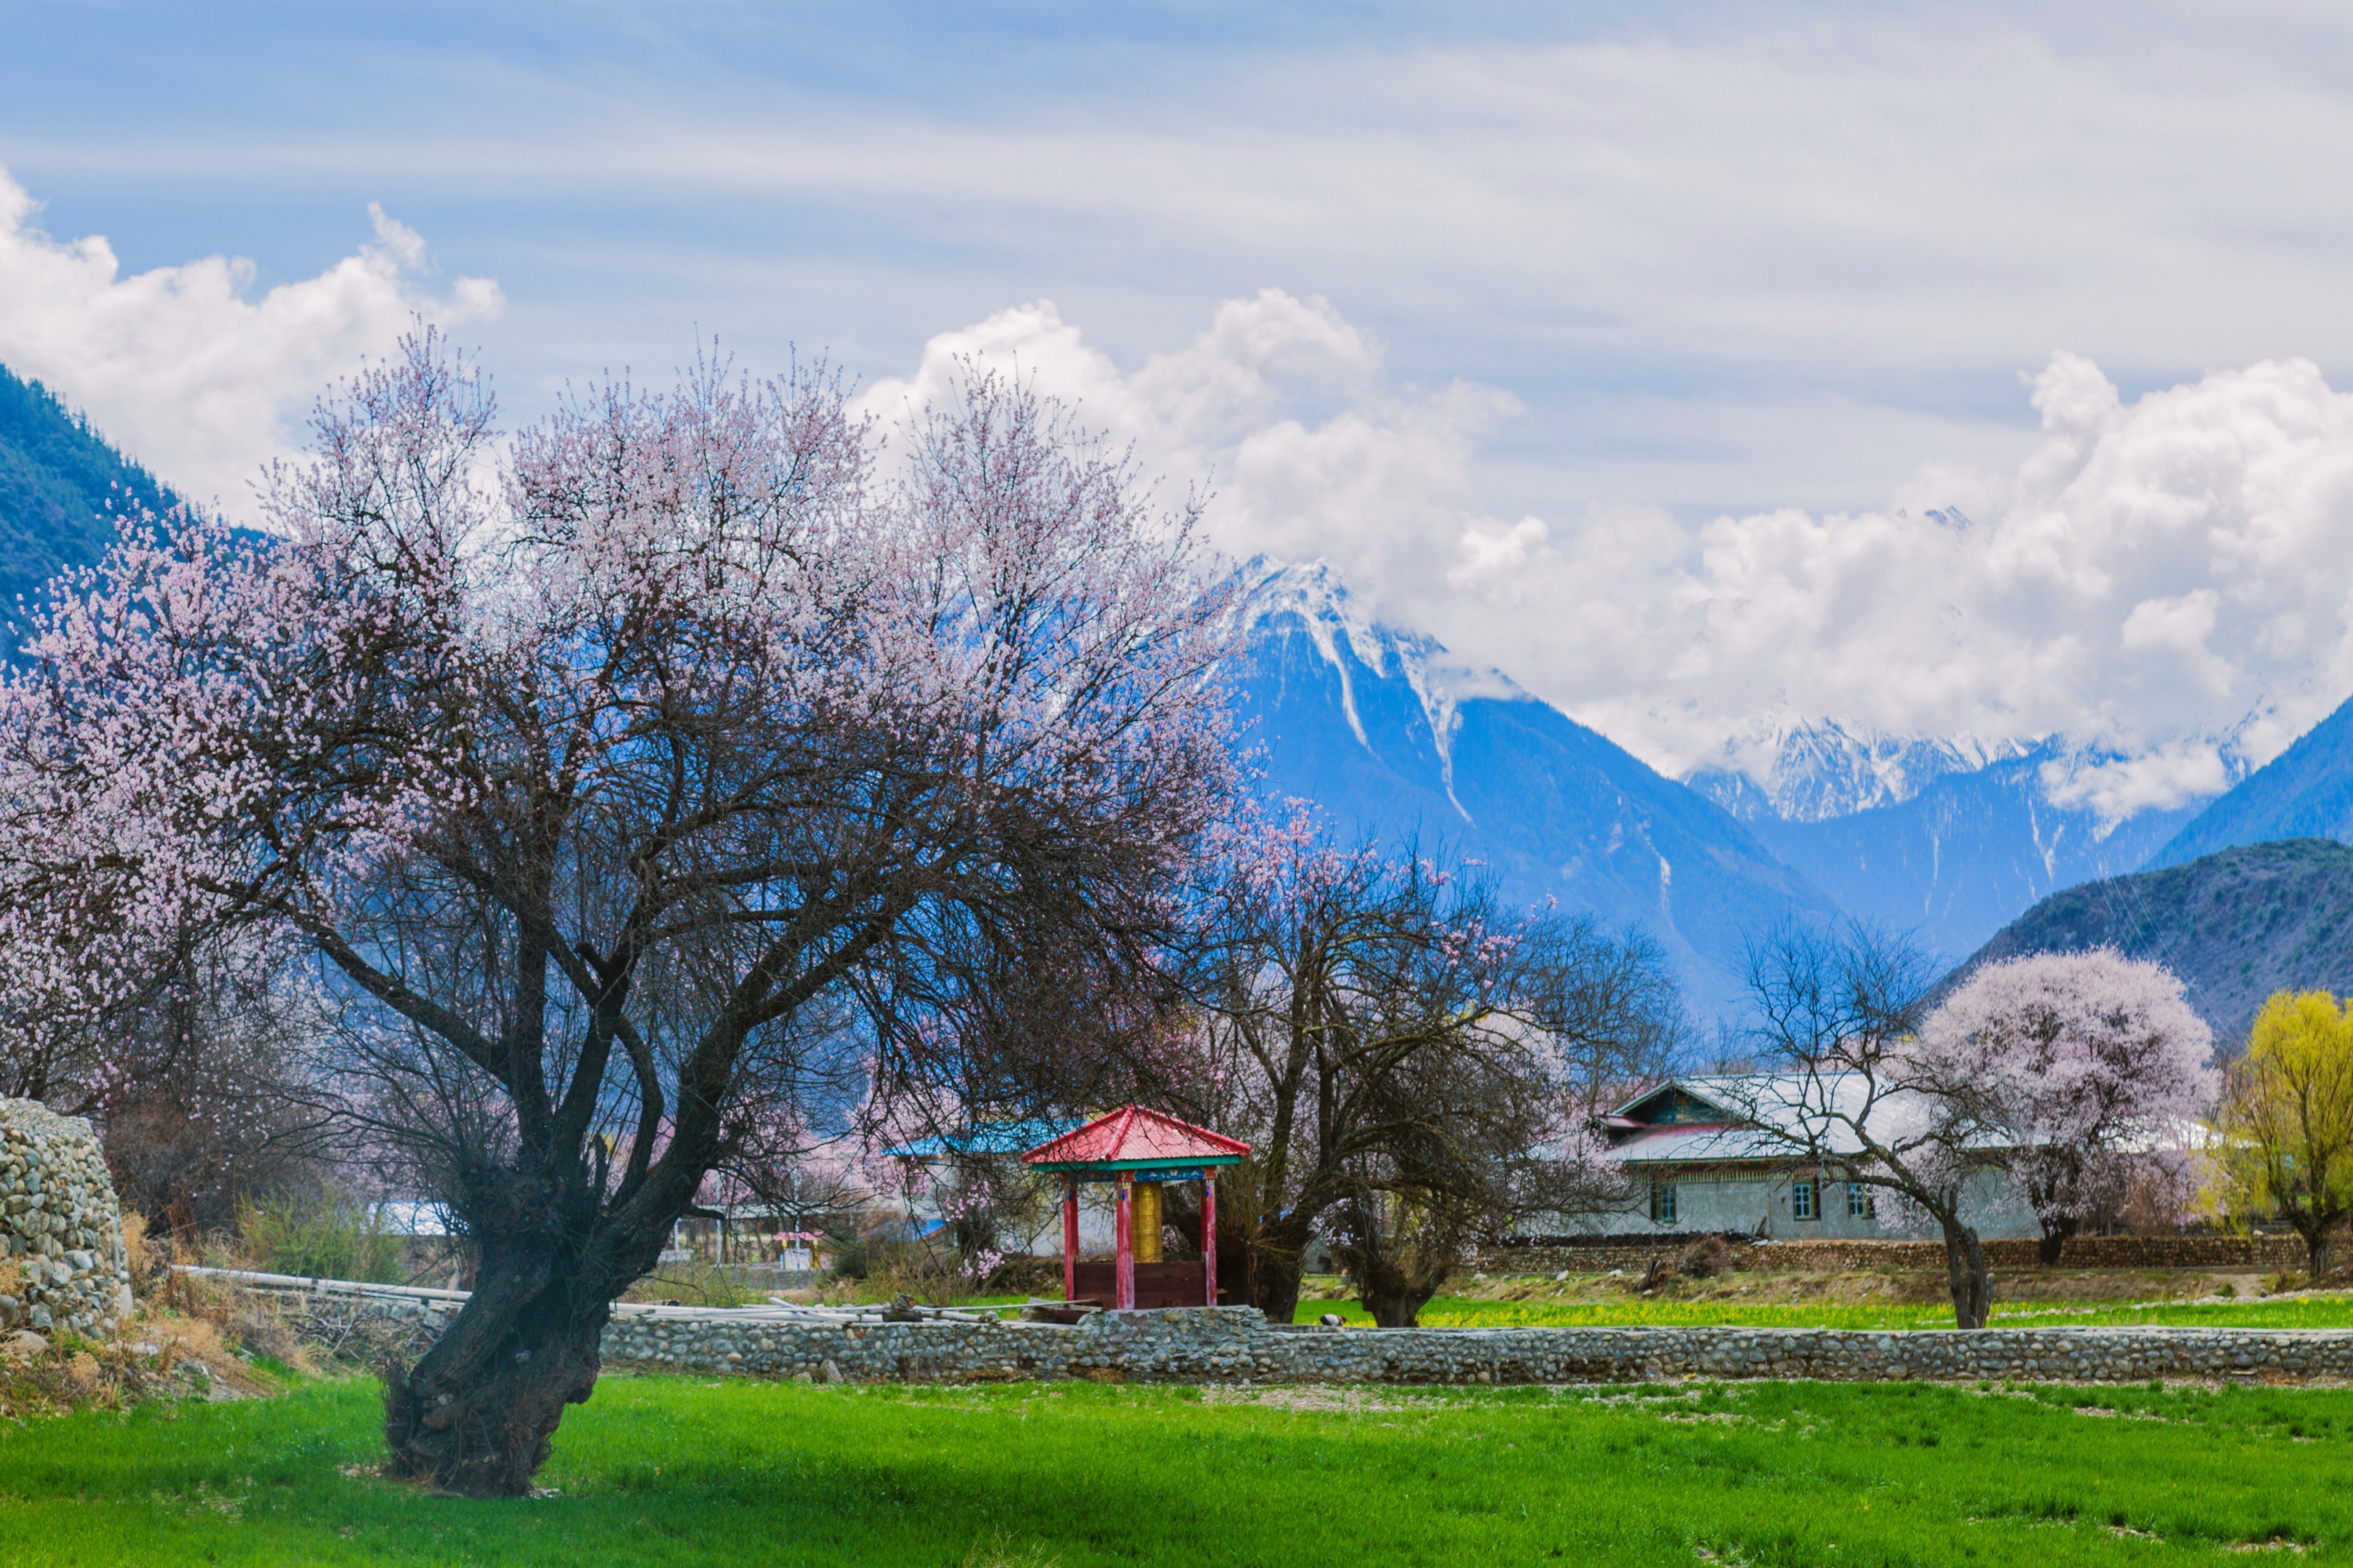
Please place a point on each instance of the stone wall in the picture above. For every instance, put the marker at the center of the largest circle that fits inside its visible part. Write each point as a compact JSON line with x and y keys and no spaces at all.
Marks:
{"x":1235,"y":1344}
{"x":61,"y":1263}
{"x":2265,"y":1253}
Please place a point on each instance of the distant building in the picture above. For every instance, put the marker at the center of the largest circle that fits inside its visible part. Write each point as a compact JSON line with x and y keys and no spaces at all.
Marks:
{"x":1702,"y":1157}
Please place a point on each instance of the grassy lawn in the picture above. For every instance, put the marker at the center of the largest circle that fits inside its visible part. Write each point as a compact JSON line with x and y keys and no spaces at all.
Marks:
{"x":2334,"y":1312}
{"x":668,"y":1470}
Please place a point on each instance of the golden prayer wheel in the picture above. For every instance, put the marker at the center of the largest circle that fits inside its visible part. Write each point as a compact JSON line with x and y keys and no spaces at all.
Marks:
{"x":1147,"y":1222}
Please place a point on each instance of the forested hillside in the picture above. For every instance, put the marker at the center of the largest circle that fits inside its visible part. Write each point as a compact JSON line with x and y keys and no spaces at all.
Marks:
{"x":2235,"y":926}
{"x":57,"y":475}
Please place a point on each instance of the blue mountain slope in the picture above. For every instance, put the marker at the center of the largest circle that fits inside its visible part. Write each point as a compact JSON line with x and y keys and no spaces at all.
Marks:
{"x":1963,"y":856}
{"x":1396,"y":741}
{"x":2305,"y":792}
{"x":57,"y":477}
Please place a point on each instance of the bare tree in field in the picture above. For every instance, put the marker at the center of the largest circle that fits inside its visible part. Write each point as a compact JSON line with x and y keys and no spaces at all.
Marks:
{"x":1850,"y":1094}
{"x":1403,"y":1054}
{"x":614,"y":778}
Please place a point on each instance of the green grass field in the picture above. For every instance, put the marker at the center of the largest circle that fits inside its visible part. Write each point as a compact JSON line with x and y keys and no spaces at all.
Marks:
{"x":2328,"y":1311}
{"x":675,"y":1471}
{"x":2334,"y":1311}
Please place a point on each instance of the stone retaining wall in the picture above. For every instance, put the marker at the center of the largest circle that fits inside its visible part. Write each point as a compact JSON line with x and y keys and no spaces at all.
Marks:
{"x":61,"y":1262}
{"x":1235,"y":1344}
{"x":2266,"y":1253}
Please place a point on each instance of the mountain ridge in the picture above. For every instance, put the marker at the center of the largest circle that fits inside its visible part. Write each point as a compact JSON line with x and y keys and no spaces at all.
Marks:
{"x":1395,"y":738}
{"x":2305,"y":792}
{"x":62,"y":487}
{"x":2235,"y":926}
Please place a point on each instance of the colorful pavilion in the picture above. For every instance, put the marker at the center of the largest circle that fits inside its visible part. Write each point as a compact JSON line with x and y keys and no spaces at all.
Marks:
{"x":1137,"y":1150}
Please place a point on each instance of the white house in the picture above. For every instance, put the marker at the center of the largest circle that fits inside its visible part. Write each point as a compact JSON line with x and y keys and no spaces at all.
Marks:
{"x":1702,"y":1156}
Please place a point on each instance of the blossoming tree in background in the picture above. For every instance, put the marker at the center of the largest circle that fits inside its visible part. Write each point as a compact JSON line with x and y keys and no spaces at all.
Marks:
{"x":2074,"y":1079}
{"x":1406,"y":1058}
{"x":618,"y":779}
{"x":2097,"y":1070}
{"x":1838,"y":1014}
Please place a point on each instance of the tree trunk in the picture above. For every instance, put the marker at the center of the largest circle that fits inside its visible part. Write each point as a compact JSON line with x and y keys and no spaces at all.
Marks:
{"x":2056,"y":1233}
{"x":475,"y":1416}
{"x":1271,"y":1267}
{"x":1397,"y":1307}
{"x":1393,"y":1291}
{"x":1965,"y":1270}
{"x":2316,"y":1246}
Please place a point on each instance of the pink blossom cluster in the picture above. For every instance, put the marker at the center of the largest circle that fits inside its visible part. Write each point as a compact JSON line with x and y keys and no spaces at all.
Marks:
{"x":2092,"y":1069}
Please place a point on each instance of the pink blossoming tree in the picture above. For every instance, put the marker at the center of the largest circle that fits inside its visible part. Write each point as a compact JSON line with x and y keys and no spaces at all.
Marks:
{"x":1412,"y":1062}
{"x":2095,"y":1067}
{"x":610,"y":775}
{"x":2060,"y":1077}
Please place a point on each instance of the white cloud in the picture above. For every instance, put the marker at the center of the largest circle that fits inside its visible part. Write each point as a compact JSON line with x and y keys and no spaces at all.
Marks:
{"x":181,"y":366}
{"x":2168,"y":578}
{"x":2171,"y":578}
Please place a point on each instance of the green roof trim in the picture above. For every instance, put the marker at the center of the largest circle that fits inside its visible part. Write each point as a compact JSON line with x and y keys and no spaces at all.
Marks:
{"x":1183,"y":1162}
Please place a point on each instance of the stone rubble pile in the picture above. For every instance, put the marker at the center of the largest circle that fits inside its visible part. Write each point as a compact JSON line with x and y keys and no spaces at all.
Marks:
{"x":61,"y":1260}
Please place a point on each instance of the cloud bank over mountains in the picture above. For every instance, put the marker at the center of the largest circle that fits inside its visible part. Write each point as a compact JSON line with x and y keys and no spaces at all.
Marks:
{"x":2164,"y":582}
{"x":181,"y":366}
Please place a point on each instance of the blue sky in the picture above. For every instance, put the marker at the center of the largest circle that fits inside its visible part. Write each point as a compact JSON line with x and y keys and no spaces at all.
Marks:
{"x":1586,"y":280}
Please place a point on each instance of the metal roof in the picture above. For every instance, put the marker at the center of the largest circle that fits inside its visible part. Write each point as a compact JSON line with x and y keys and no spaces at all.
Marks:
{"x":1768,"y":1116}
{"x":986,"y":1138}
{"x":1136,"y":1137}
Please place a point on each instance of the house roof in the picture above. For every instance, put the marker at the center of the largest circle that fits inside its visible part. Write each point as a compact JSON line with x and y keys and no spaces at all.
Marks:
{"x":1134,"y":1138}
{"x":984,"y":1138}
{"x":1764,"y":1117}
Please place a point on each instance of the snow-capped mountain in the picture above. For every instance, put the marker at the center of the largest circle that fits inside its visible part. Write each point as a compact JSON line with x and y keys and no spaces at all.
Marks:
{"x":1810,"y":771}
{"x":1397,"y":740}
{"x":1949,"y":839}
{"x":1313,"y":599}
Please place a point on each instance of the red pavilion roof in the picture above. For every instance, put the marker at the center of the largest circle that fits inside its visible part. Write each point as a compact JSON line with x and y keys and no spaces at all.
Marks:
{"x":1136,"y":1138}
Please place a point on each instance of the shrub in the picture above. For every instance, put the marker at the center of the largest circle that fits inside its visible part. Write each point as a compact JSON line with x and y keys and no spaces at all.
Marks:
{"x":1705,"y":1259}
{"x":329,"y":1238}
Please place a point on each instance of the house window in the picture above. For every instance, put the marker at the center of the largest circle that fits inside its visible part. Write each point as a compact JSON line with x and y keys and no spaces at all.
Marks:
{"x":1860,"y":1202}
{"x":1663,"y":1202}
{"x":1801,"y":1200}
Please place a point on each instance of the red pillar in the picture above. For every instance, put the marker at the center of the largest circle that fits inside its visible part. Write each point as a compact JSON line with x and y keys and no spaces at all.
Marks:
{"x":1123,"y":1266}
{"x":1209,"y":1235}
{"x":1070,"y":1238}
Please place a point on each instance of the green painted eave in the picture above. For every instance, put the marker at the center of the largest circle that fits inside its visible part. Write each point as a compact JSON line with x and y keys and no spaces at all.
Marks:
{"x":1186,"y":1164}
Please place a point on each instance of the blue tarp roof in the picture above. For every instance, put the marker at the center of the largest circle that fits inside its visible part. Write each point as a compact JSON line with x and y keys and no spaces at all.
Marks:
{"x":987,"y":1137}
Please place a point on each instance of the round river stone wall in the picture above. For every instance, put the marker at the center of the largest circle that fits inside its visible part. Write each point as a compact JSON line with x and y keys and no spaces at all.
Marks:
{"x":1235,"y":1344}
{"x":61,"y":1263}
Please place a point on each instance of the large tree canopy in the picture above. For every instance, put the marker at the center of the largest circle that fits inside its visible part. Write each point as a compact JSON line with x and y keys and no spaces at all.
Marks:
{"x":2285,"y":1141}
{"x":2094,"y":1067}
{"x":1412,"y":1061}
{"x":599,"y":771}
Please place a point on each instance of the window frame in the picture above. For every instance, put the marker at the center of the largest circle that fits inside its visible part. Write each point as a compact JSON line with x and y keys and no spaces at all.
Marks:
{"x":1861,"y":1202}
{"x":1805,"y":1199}
{"x":1664,"y":1207}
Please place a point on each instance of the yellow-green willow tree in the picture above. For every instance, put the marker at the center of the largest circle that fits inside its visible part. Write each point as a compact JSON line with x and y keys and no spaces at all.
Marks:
{"x":2286,"y":1137}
